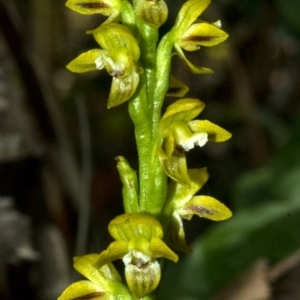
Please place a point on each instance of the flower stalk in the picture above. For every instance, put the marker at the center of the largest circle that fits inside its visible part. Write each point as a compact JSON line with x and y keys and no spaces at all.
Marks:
{"x":162,"y":193}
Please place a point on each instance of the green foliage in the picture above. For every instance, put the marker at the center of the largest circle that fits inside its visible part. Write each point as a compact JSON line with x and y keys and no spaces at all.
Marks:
{"x":289,"y":9}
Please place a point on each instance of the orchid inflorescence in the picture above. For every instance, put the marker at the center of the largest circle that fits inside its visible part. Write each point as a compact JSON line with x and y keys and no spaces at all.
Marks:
{"x":156,"y":201}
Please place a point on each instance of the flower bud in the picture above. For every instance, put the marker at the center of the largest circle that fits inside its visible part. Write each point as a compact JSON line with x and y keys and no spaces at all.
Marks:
{"x":130,"y":185}
{"x":153,"y":12}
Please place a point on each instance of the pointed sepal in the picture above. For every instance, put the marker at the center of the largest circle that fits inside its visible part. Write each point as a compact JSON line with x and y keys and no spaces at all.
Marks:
{"x":201,"y":34}
{"x":122,"y":89}
{"x":177,"y":88}
{"x":205,"y":207}
{"x":114,"y":37}
{"x":188,"y":14}
{"x":116,"y":250}
{"x":175,"y":167}
{"x":190,"y":66}
{"x":177,"y":234}
{"x":85,"y":62}
{"x":181,"y":110}
{"x":214,"y":132}
{"x":85,"y":265}
{"x":90,"y":7}
{"x":84,"y":289}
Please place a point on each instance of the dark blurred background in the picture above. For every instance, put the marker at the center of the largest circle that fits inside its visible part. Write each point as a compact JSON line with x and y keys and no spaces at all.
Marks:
{"x":59,"y":185}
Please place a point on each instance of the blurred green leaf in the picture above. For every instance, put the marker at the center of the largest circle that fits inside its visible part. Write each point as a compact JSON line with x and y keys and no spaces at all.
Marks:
{"x":269,"y":231}
{"x":289,"y":10}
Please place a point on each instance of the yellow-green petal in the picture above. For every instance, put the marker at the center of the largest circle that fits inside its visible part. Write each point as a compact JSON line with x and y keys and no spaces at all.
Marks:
{"x":122,"y":89}
{"x":215,"y":132}
{"x":177,"y":88}
{"x":177,"y":235}
{"x":126,"y":226}
{"x":167,"y":147}
{"x":179,"y":194}
{"x":84,"y":290}
{"x":116,"y":250}
{"x":181,"y":110}
{"x":160,"y":249}
{"x":201,"y":34}
{"x":191,"y":67}
{"x":176,"y":168}
{"x":90,"y":7}
{"x":85,"y":265}
{"x":205,"y":207}
{"x":115,"y":36}
{"x":110,"y":273}
{"x":85,"y":62}
{"x":188,"y":14}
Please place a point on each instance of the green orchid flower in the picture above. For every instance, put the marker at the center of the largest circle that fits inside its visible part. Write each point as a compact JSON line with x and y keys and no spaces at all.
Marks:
{"x":103,"y":283}
{"x":190,"y":34}
{"x":180,"y":133}
{"x":139,"y":244}
{"x":119,"y":55}
{"x":182,"y":204}
{"x":108,"y":8}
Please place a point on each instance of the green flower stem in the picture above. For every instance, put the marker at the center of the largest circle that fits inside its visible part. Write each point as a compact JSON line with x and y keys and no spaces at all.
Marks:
{"x":148,"y":44}
{"x":156,"y":186}
{"x":152,"y":177}
{"x":148,"y":37}
{"x":163,"y":68}
{"x":128,"y":16}
{"x":157,"y":179}
{"x":139,"y":113}
{"x":157,"y":80}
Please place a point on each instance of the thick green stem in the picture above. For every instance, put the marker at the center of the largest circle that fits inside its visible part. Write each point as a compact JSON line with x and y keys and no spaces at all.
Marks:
{"x":157,"y":65}
{"x":157,"y":186}
{"x":152,"y":177}
{"x":139,"y":113}
{"x":148,"y":37}
{"x":154,"y":85}
{"x":157,"y":179}
{"x":163,"y":67}
{"x":128,"y":16}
